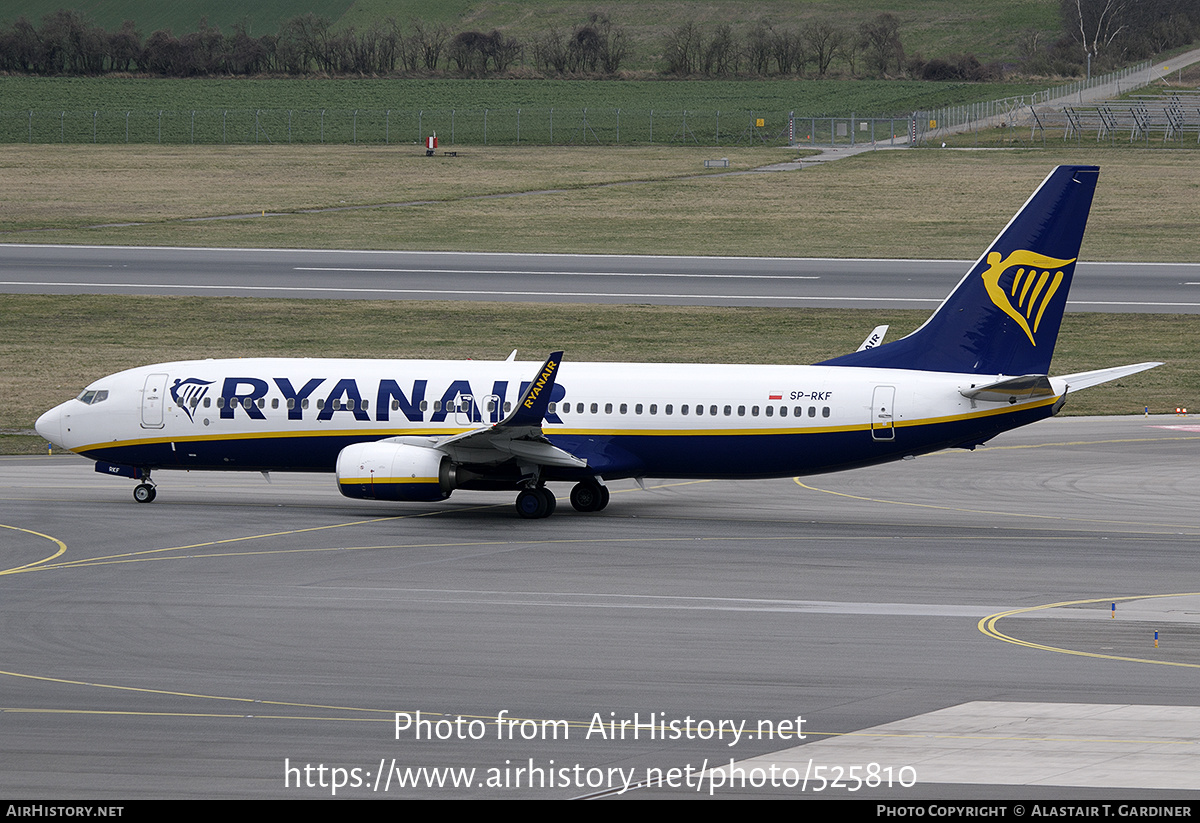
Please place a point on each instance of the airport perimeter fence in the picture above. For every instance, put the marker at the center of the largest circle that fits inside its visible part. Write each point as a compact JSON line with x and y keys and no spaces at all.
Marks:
{"x":1009,"y":112}
{"x":453,"y":127}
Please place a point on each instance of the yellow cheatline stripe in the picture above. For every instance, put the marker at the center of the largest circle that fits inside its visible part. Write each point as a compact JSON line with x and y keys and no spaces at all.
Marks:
{"x":268,"y":435}
{"x":554,"y":429}
{"x":988,"y":626}
{"x":62,"y":548}
{"x":369,"y":480}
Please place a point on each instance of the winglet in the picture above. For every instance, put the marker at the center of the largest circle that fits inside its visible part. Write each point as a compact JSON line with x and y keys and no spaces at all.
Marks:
{"x":531,"y":409}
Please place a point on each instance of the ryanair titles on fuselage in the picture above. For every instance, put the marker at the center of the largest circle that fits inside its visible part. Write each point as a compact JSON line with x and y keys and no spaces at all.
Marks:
{"x":321,"y":398}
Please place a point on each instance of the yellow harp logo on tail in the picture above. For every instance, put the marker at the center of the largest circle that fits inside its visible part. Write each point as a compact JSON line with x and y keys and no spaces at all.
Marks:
{"x":1033,"y":285}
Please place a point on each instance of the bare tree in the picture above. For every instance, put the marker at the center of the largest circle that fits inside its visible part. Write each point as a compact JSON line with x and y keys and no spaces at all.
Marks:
{"x":550,"y":52}
{"x":881,"y":40}
{"x":787,"y":46}
{"x":719,"y":56}
{"x":430,"y":42}
{"x":1098,"y":23}
{"x":614,"y":45}
{"x":823,"y":39}
{"x":681,"y":50}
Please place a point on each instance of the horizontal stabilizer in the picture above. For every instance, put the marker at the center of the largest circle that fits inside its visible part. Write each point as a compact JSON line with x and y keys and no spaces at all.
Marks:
{"x":1023,"y":388}
{"x":1084,"y":379}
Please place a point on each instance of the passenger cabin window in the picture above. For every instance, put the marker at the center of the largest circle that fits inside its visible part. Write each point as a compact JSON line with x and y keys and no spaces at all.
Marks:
{"x":825,"y":411}
{"x":667,"y":410}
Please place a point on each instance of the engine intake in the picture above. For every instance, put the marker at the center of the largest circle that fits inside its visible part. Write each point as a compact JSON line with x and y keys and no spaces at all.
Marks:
{"x":394,"y":471}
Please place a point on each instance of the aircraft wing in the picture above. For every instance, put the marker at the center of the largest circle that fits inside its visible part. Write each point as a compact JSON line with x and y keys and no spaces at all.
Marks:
{"x":517,"y":435}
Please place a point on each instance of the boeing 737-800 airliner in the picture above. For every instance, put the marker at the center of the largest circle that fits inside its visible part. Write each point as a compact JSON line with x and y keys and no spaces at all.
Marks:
{"x":416,"y":430}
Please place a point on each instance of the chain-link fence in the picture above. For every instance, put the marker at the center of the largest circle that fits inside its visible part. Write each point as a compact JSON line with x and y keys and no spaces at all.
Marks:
{"x":453,"y":127}
{"x":480,"y":126}
{"x":1009,"y":112}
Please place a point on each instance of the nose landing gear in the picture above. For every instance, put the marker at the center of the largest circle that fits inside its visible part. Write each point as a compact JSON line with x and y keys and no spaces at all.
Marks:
{"x":145,"y":492}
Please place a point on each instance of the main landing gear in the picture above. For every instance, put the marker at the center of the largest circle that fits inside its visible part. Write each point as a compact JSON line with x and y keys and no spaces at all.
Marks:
{"x":538,"y":501}
{"x":589,"y":496}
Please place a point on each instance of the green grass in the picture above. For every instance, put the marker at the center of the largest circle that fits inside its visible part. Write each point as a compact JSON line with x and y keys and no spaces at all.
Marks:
{"x":69,"y":341}
{"x":918,"y":204}
{"x":113,"y":96}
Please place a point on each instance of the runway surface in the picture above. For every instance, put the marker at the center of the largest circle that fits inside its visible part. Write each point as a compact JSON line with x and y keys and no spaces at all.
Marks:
{"x":240,"y":639}
{"x":1111,"y":287}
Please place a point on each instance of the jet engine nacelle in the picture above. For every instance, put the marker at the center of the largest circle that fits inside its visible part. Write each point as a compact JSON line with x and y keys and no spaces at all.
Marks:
{"x":394,"y":471}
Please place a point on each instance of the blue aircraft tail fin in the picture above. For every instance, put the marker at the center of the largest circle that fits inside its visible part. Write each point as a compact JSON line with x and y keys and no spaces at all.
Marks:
{"x":1003,"y":317}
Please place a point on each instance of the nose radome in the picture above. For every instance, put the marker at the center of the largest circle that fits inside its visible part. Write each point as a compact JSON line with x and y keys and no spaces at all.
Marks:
{"x":49,"y":426}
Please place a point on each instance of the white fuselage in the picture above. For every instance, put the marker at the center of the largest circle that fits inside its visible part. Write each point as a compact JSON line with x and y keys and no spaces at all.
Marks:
{"x":624,"y":419}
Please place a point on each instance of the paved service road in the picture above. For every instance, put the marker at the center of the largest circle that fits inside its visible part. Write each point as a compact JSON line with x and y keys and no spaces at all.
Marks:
{"x":240,"y":639}
{"x":1110,"y":287}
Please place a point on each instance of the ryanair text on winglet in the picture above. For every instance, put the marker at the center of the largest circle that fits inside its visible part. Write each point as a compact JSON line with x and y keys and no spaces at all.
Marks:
{"x":539,"y":383}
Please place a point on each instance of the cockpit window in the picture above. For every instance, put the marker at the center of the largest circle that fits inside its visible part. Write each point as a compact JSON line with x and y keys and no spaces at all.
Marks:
{"x":91,"y":396}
